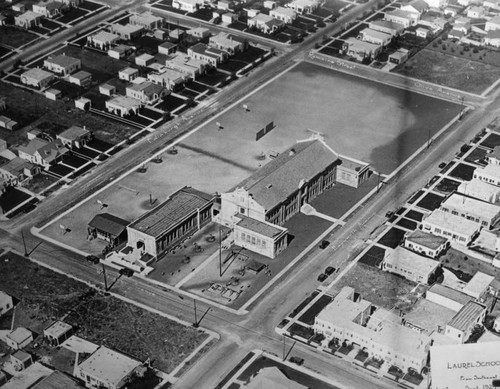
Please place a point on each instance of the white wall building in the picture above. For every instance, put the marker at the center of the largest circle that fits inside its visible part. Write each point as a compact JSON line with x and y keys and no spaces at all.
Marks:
{"x":480,"y":190}
{"x":490,"y":174}
{"x":481,"y":212}
{"x":461,"y":325}
{"x":424,"y":243}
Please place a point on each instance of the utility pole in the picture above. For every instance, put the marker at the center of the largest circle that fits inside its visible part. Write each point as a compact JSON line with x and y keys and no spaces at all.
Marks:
{"x":284,"y":347}
{"x":105,"y":279}
{"x":197,"y":322}
{"x":220,"y":252}
{"x":26,"y":254}
{"x":428,"y":138}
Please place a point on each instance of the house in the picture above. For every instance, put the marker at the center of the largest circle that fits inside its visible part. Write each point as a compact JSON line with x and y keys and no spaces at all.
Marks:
{"x":28,"y":19}
{"x":107,"y":90}
{"x":461,"y":325}
{"x":56,"y":333}
{"x":19,"y":338}
{"x":439,"y":3}
{"x":8,"y":123}
{"x":102,"y":40}
{"x":303,"y":6}
{"x":456,"y":34}
{"x":146,"y":20}
{"x":452,"y":10}
{"x":479,"y":286}
{"x":374,"y":36}
{"x":392,"y":28}
{"x":209,"y":55}
{"x":128,"y":31}
{"x":415,"y":6}
{"x":265,"y":23}
{"x":6,"y":303}
{"x":251,"y":12}
{"x":81,"y":78}
{"x":492,"y":38}
{"x":480,"y":190}
{"x":447,"y":297}
{"x":411,"y":266}
{"x":272,"y":377}
{"x":53,"y":94}
{"x":227,"y":42}
{"x":128,"y":74}
{"x":74,"y":137}
{"x":457,"y":229}
{"x":17,"y":170}
{"x":199,"y":32}
{"x":168,"y":78}
{"x":108,"y":369}
{"x":493,"y":157}
{"x":120,"y":51}
{"x":21,"y":360}
{"x":83,"y":103}
{"x":57,"y":380}
{"x":145,"y":60}
{"x":146,"y":92}
{"x":49,"y":9}
{"x":286,"y":15}
{"x":37,"y":77}
{"x":481,"y":212}
{"x":187,"y":5}
{"x":185,"y":64}
{"x":270,"y":4}
{"x":476,"y":12}
{"x":176,"y":35}
{"x":109,"y":228}
{"x":349,"y":318}
{"x":490,"y":174}
{"x":224,"y":4}
{"x":405,"y":18}
{"x":360,"y":50}
{"x":123,"y":106}
{"x":62,"y":64}
{"x":19,"y":7}
{"x":167,"y":48}
{"x":422,"y":32}
{"x":493,"y":24}
{"x":42,"y":152}
{"x":399,"y":56}
{"x":424,"y":243}
{"x":72,"y":3}
{"x":229,"y":17}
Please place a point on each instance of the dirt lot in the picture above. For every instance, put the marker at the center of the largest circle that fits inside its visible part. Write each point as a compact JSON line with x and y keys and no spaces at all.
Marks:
{"x":44,"y":296}
{"x":457,"y":262}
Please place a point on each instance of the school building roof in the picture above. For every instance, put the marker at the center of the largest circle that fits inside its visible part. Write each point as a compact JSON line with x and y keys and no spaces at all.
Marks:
{"x":58,"y":380}
{"x":490,"y":170}
{"x":261,"y":228}
{"x":466,"y":316}
{"x":179,"y":205}
{"x":425,"y":239}
{"x":108,"y":223}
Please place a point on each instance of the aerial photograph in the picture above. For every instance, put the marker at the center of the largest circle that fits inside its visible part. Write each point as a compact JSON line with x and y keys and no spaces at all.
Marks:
{"x":249,"y":194}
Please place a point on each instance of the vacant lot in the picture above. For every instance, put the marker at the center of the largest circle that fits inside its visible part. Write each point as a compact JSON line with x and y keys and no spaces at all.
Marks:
{"x":44,"y":296}
{"x":15,"y":37}
{"x":449,"y":70}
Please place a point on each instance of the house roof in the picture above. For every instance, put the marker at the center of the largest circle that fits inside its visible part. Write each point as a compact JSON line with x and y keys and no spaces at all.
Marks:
{"x":145,"y":18}
{"x":57,"y":329}
{"x":273,"y":378}
{"x":452,"y":222}
{"x":108,"y":223}
{"x":63,"y":60}
{"x":73,"y":133}
{"x":21,"y":355}
{"x":37,"y":74}
{"x":490,"y":170}
{"x":386,"y":24}
{"x":124,"y":102}
{"x":476,"y":187}
{"x":16,"y":166}
{"x":126,"y":29}
{"x":202,"y":49}
{"x":129,"y":71}
{"x":425,"y":239}
{"x":471,"y":205}
{"x":148,"y":88}
{"x":450,"y":294}
{"x":167,"y":214}
{"x":466,"y":316}
{"x":20,"y":334}
{"x":419,"y":5}
{"x":108,"y":366}
{"x":57,"y":380}
{"x":81,"y":75}
{"x":29,"y":15}
{"x":358,"y":45}
{"x":375,"y":34}
{"x":429,"y":315}
{"x":262,"y":228}
{"x":279,"y":178}
{"x":284,"y":11}
{"x":479,"y":283}
{"x":400,"y":14}
{"x":406,"y":259}
{"x":104,"y":37}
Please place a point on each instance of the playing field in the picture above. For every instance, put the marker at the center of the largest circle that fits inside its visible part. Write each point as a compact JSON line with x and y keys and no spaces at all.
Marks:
{"x":373,"y":122}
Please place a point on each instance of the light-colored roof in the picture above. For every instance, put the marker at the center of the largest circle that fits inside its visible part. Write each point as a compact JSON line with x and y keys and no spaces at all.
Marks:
{"x":425,"y":239}
{"x":108,"y":366}
{"x":4,"y":298}
{"x":81,"y":75}
{"x":488,"y":336}
{"x":225,"y":40}
{"x":124,"y":101}
{"x":476,"y":186}
{"x":20,"y":334}
{"x":121,"y":29}
{"x":37,"y":74}
{"x":145,"y":18}
{"x":261,"y":228}
{"x":414,"y":263}
{"x":400,"y":53}
{"x":57,"y":329}
{"x":145,"y":57}
{"x":29,"y":15}
{"x":147,"y":87}
{"x":471,"y":206}
{"x":419,"y":5}
{"x":375,"y":34}
{"x":400,"y":14}
{"x":467,"y":316}
{"x":273,"y":378}
{"x":283,"y":11}
{"x":182,"y":203}
{"x":386,"y":24}
{"x":129,"y":71}
{"x":450,"y":294}
{"x":360,"y":46}
{"x":429,"y":316}
{"x":63,"y":60}
{"x":490,"y":170}
{"x":278,"y":179}
{"x":21,"y":355}
{"x":104,"y":36}
{"x":451,"y":222}
{"x":478,"y":284}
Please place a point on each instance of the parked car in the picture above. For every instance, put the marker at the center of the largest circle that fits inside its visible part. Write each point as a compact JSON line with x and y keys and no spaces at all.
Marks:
{"x":324,"y":244}
{"x":389,"y":214}
{"x":329,"y":270}
{"x":93,"y":259}
{"x":297,"y":360}
{"x":322,"y":277}
{"x":126,"y":272}
{"x":442,"y":165}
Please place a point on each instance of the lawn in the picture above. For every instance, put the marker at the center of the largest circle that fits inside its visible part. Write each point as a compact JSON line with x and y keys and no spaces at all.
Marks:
{"x":430,"y":201}
{"x":373,"y":257}
{"x":463,"y":171}
{"x":459,"y":72}
{"x":45,"y":295}
{"x":309,"y":315}
{"x":381,"y":288}
{"x":392,"y":238}
{"x":40,"y":182}
{"x":491,"y":141}
{"x":11,"y":198}
{"x":447,"y":185}
{"x":303,"y":304}
{"x":15,"y":37}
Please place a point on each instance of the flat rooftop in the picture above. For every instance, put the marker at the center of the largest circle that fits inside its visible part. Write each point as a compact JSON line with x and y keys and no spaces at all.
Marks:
{"x":429,"y":316}
{"x":425,"y":239}
{"x":466,"y":316}
{"x":471,"y":205}
{"x":451,"y":222}
{"x":261,"y":228}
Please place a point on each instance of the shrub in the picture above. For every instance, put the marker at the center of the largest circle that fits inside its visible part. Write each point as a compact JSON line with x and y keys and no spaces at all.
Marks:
{"x":475,"y":50}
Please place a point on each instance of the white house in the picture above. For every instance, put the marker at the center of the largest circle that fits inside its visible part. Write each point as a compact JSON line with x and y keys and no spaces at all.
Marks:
{"x":437,"y":3}
{"x":265,"y":23}
{"x":461,"y":325}
{"x":102,"y":40}
{"x":37,"y":77}
{"x":187,"y":5}
{"x":123,"y":106}
{"x":146,"y":20}
{"x":360,"y":49}
{"x":304,"y":6}
{"x":447,"y":297}
{"x":75,"y":137}
{"x":490,"y":174}
{"x":493,"y":24}
{"x":286,"y":15}
{"x":480,"y":190}
{"x":19,"y":338}
{"x":481,"y":212}
{"x":146,"y":92}
{"x":168,"y":78}
{"x":479,"y":286}
{"x":405,"y":18}
{"x":128,"y":74}
{"x":28,"y":19}
{"x":425,"y":243}
{"x":415,"y":6}
{"x":6,"y":303}
{"x":373,"y":36}
{"x":49,"y":9}
{"x":411,"y":266}
{"x":392,"y":28}
{"x":476,"y":12}
{"x":453,"y":227}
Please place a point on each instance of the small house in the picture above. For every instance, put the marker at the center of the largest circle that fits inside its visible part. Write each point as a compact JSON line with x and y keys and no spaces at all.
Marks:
{"x":19,"y":338}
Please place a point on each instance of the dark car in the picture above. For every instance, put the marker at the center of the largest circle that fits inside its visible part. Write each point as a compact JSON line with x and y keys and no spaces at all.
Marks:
{"x":389,"y":214}
{"x":126,"y":272}
{"x":322,"y":277}
{"x":442,"y":165}
{"x":329,"y":270}
{"x":93,"y":259}
{"x":297,"y":360}
{"x":324,"y":244}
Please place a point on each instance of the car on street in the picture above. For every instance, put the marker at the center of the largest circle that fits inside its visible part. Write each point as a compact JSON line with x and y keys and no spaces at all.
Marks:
{"x":389,"y":214}
{"x":93,"y":259}
{"x":297,"y":360}
{"x":329,"y":270}
{"x":322,"y":277}
{"x":126,"y":272}
{"x":442,"y":165}
{"x":324,"y":244}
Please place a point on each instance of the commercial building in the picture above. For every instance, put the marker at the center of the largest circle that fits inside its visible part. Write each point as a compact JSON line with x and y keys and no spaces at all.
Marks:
{"x":424,"y":243}
{"x":182,"y":214}
{"x":481,"y":212}
{"x":411,"y":266}
{"x":123,"y":106}
{"x":37,"y":77}
{"x":453,"y":227}
{"x":57,"y":333}
{"x":447,"y":297}
{"x":107,"y":369}
{"x":490,"y":174}
{"x":62,"y":64}
{"x":350,"y":319}
{"x":480,"y":190}
{"x":461,"y":325}
{"x":109,"y":228}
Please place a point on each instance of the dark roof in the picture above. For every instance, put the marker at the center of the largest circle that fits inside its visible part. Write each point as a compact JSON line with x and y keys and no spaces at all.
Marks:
{"x":166,"y":215}
{"x":57,"y":380}
{"x":278,"y":179}
{"x":466,"y":316}
{"x":111,"y":224}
